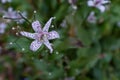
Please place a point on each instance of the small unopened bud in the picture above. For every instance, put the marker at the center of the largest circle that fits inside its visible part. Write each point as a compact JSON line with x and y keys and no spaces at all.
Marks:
{"x":3,"y":17}
{"x":23,"y":49}
{"x":49,"y":74}
{"x":52,"y":26}
{"x":54,"y":17}
{"x":18,"y":11}
{"x":17,"y":34}
{"x":10,"y":43}
{"x":13,"y":28}
{"x":57,"y":52}
{"x":35,"y":12}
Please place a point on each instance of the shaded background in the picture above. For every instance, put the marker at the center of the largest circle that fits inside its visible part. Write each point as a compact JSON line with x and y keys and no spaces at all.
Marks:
{"x":85,"y":51}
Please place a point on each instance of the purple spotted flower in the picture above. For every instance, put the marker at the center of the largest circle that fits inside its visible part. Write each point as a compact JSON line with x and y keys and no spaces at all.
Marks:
{"x":98,"y":4}
{"x":10,"y":13}
{"x":41,"y":36}
{"x":91,"y":18}
{"x":13,"y":15}
{"x":73,"y":3}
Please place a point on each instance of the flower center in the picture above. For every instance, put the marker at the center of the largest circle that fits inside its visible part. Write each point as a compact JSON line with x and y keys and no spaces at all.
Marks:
{"x":41,"y":36}
{"x":97,"y":2}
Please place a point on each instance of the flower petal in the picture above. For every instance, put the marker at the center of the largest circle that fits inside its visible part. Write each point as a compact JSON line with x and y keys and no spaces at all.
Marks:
{"x":36,"y":26}
{"x":2,"y":28}
{"x":90,"y":3}
{"x":10,"y":9}
{"x":3,"y":25}
{"x":27,"y":34}
{"x":53,"y":35}
{"x":105,"y":1}
{"x":35,"y":45}
{"x":48,"y":45}
{"x":47,"y":25}
{"x":101,"y":8}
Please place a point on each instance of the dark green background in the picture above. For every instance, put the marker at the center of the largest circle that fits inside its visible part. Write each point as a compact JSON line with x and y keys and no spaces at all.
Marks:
{"x":85,"y":51}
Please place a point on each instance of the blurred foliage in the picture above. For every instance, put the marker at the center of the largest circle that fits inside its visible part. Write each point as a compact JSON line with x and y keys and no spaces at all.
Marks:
{"x":85,"y":51}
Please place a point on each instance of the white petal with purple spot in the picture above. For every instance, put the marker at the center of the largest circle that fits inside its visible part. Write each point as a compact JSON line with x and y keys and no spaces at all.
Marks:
{"x":27,"y":34}
{"x":35,"y":45}
{"x":105,"y":2}
{"x":90,"y":3}
{"x":48,"y":45}
{"x":47,"y":25}
{"x":101,"y":8}
{"x":53,"y":35}
{"x":36,"y":26}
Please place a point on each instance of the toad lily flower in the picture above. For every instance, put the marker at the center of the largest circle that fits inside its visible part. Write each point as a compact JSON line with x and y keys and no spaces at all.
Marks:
{"x":73,"y":4}
{"x":98,"y":4}
{"x":11,"y":14}
{"x":91,"y":18}
{"x":41,"y":36}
